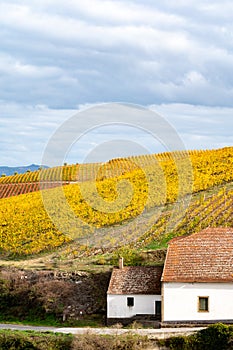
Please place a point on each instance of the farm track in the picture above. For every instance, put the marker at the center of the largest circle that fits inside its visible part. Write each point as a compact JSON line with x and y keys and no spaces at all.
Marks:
{"x":161,"y":333}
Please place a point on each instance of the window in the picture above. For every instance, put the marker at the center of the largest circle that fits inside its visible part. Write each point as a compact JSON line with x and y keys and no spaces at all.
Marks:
{"x":130,"y":302}
{"x":203,"y":304}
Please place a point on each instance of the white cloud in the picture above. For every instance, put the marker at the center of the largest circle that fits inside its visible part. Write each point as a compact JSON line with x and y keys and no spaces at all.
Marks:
{"x":113,"y":50}
{"x":67,"y":54}
{"x":200,"y":127}
{"x":8,"y":65}
{"x":24,"y":139}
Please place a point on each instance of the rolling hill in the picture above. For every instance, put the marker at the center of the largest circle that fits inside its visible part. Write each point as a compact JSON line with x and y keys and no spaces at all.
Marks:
{"x":6,"y":170}
{"x":139,"y":201}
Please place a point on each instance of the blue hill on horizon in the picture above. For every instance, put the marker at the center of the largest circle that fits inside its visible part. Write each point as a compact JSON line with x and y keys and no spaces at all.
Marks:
{"x":7,"y":170}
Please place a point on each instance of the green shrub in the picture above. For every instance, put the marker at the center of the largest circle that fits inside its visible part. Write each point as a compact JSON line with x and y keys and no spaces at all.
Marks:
{"x":29,"y":340}
{"x":215,"y":337}
{"x":15,"y":342}
{"x":176,"y":343}
{"x":131,"y":256}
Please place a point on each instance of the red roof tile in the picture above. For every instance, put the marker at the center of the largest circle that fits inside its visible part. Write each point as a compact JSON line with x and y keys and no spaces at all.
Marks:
{"x":136,"y":280}
{"x":206,"y":256}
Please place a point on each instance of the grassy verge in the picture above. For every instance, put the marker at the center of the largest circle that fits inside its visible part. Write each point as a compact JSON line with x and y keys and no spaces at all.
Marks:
{"x":51,"y":321}
{"x":21,"y":340}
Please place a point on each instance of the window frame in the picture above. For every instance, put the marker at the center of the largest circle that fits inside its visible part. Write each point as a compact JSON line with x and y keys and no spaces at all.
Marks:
{"x":130,"y":301}
{"x":207,"y":304}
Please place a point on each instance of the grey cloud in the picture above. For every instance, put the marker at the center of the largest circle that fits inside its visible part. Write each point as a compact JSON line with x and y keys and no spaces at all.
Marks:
{"x":200,"y":126}
{"x":58,"y":56}
{"x":65,"y":54}
{"x":23,"y":139}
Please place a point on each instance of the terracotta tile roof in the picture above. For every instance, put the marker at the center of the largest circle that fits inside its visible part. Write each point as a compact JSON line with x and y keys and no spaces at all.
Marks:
{"x":206,"y":256}
{"x":136,"y":280}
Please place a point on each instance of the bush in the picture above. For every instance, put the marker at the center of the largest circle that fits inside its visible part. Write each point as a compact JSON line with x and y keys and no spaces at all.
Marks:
{"x":176,"y":343}
{"x":15,"y":342}
{"x":131,"y":256}
{"x":215,"y":337}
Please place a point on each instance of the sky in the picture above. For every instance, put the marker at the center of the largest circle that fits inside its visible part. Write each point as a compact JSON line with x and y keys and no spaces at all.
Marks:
{"x":60,"y":57}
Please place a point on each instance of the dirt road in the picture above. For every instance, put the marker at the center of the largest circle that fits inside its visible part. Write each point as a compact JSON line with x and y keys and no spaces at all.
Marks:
{"x":161,"y":333}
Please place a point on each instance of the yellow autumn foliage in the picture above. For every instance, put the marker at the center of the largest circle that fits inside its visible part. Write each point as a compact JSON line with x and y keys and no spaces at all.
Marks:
{"x":102,"y":195}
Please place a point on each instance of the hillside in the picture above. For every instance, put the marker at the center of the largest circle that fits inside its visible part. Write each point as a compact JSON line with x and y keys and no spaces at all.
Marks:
{"x":7,"y":170}
{"x":212,"y":207}
{"x":111,"y":212}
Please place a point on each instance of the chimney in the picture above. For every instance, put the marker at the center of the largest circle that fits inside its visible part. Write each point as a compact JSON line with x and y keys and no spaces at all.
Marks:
{"x":121,"y":263}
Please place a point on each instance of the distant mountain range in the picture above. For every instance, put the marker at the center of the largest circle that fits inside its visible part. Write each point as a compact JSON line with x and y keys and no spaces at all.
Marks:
{"x":19,"y":169}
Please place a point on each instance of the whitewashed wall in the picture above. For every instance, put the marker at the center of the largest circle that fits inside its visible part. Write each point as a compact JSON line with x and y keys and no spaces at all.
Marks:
{"x":143,"y":304}
{"x":181,"y":301}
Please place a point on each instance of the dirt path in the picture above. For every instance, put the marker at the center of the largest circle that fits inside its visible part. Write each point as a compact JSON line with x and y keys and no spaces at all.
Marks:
{"x":161,"y":333}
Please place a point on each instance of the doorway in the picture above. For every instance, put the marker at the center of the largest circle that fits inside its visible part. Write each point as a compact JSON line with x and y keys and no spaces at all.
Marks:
{"x":158,"y":309}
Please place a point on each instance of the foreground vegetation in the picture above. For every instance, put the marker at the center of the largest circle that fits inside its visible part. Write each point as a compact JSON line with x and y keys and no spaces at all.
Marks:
{"x":18,"y":340}
{"x":215,"y":337}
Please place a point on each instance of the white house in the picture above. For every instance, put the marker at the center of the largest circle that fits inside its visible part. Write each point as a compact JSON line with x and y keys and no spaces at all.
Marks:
{"x":195,"y":285}
{"x":134,"y":290}
{"x":197,"y":280}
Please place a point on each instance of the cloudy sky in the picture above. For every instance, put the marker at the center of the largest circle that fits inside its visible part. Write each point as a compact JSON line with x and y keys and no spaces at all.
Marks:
{"x":58,"y":57}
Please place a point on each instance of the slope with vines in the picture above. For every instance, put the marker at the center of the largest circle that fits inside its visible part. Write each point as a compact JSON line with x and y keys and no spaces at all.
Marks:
{"x":26,"y":226}
{"x":208,"y":210}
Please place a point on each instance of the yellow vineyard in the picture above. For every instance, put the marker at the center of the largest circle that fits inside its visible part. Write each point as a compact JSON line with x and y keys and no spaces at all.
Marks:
{"x":44,"y":220}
